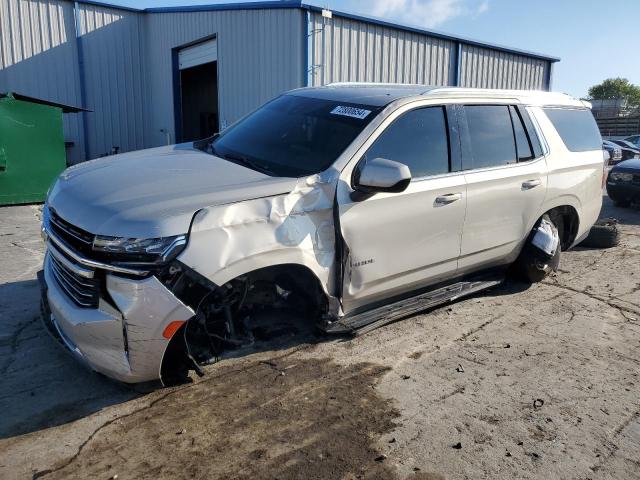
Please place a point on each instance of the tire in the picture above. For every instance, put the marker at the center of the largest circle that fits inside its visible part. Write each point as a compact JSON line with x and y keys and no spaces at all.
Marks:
{"x":604,"y":234}
{"x":621,"y":203}
{"x":532,"y":271}
{"x":530,"y":268}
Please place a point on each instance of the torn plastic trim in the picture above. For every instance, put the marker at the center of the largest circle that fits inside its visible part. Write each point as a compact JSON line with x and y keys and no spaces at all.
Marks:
{"x":546,"y":237}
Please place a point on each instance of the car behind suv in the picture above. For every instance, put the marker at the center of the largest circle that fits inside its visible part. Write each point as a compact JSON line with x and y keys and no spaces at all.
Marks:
{"x":343,"y":207}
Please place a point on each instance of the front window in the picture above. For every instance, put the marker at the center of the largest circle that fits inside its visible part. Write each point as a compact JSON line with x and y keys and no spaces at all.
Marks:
{"x":418,"y":139}
{"x":293,"y":136}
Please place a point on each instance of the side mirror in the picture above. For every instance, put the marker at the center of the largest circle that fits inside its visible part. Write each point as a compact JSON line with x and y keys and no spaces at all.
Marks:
{"x":381,"y":175}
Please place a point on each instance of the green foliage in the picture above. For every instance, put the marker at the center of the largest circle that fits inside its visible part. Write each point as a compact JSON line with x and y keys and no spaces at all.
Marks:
{"x":616,"y":88}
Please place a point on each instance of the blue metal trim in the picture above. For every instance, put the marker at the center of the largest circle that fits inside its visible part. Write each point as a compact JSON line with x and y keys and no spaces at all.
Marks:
{"x":284,"y":4}
{"x":110,"y":5}
{"x":548,"y":78}
{"x":82,"y":77}
{"x":457,"y":64}
{"x":270,"y":5}
{"x":177,"y":95}
{"x":201,"y":8}
{"x":196,"y":41}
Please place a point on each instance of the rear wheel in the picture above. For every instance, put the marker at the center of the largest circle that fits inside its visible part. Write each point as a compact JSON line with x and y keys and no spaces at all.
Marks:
{"x":533,"y":265}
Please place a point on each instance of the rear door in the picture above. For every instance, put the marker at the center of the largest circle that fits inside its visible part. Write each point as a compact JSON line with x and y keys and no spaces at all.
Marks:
{"x":506,"y":178}
{"x":398,"y":242}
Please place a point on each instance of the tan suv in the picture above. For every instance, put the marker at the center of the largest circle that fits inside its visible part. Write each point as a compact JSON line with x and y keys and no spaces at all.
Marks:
{"x":343,"y":207}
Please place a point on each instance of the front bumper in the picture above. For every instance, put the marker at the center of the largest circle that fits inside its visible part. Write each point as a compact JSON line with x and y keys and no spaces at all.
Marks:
{"x":122,"y":338}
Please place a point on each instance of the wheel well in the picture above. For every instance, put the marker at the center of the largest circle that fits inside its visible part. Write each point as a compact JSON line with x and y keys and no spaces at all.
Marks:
{"x":567,"y":220}
{"x":293,"y":277}
{"x":256,"y":306}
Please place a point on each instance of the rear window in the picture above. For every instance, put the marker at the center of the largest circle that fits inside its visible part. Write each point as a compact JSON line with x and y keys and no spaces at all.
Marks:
{"x":576,"y":127}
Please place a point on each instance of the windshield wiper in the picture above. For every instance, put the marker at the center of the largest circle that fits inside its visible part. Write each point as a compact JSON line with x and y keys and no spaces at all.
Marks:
{"x":245,"y":161}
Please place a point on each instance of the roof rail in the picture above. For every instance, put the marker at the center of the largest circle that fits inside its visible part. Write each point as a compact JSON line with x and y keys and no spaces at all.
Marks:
{"x":380,"y":84}
{"x":373,"y":84}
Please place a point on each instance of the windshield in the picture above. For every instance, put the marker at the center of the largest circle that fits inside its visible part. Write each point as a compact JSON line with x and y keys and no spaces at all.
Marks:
{"x":293,"y":136}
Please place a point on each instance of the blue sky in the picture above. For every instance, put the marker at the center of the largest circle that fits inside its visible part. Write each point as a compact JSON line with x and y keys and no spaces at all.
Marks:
{"x":594,"y":39}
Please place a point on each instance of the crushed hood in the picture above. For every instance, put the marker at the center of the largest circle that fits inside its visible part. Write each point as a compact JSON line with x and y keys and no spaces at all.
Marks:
{"x":154,"y":192}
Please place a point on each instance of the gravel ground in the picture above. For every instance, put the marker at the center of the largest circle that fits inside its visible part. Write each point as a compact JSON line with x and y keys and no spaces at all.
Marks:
{"x":519,"y":382}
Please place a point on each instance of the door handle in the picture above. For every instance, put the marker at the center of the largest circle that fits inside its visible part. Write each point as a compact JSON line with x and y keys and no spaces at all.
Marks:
{"x":448,"y":198}
{"x":529,"y":184}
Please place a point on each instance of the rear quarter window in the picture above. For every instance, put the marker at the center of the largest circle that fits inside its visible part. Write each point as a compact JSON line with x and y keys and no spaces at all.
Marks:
{"x":576,"y":127}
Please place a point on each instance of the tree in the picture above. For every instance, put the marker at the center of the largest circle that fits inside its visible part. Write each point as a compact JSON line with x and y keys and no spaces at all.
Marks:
{"x":614,"y":88}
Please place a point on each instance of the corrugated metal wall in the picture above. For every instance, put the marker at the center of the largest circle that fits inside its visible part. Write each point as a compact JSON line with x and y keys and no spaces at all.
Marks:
{"x":486,"y":68}
{"x":127,"y":62}
{"x":112,"y":50}
{"x":260,"y":54}
{"x":347,"y":50}
{"x":38,"y":58}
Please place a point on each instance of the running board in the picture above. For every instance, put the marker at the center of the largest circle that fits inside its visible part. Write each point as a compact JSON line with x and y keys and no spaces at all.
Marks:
{"x":364,"y":322}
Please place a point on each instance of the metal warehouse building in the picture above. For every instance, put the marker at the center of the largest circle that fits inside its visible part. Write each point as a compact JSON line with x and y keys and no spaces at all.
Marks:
{"x":165,"y":75}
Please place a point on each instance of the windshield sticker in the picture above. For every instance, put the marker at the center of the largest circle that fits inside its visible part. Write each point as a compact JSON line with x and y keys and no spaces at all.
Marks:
{"x":351,"y":112}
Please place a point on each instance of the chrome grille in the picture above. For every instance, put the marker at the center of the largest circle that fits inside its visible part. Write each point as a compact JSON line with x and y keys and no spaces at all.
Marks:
{"x":72,"y":235}
{"x":85,"y":292}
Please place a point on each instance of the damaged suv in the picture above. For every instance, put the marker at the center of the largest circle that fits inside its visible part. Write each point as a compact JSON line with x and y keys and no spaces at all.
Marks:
{"x":341,"y":208}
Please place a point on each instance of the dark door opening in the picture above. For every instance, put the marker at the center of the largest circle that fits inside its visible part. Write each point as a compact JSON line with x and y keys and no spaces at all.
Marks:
{"x":199,"y":101}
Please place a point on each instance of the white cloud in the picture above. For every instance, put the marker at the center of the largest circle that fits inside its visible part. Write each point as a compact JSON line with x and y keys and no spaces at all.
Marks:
{"x":483,"y":7}
{"x":427,"y":13}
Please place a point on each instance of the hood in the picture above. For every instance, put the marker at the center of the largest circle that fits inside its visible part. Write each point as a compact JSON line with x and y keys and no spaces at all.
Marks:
{"x":632,"y":165}
{"x":154,"y":192}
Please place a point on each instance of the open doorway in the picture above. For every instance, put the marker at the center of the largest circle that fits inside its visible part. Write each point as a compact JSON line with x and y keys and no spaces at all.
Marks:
{"x":198,"y":83}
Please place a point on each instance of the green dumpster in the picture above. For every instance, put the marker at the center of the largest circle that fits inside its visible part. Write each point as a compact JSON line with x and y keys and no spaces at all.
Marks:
{"x":32,"y":148}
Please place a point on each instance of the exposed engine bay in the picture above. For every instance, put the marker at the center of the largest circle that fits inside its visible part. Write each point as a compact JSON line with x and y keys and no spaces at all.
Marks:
{"x":273,"y":305}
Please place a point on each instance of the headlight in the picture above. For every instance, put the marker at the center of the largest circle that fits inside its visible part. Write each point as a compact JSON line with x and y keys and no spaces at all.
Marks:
{"x":621,"y":177}
{"x":150,"y":249}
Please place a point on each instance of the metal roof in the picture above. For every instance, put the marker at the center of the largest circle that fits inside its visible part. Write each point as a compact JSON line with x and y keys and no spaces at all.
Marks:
{"x":40,"y":101}
{"x":314,"y":8}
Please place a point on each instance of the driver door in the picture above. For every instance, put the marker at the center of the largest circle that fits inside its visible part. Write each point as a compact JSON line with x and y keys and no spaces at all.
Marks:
{"x":399,"y":242}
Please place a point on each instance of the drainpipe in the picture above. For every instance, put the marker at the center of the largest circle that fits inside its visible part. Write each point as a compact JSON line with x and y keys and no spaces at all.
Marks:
{"x":309,"y":53}
{"x":458,"y":64}
{"x":311,"y":39}
{"x":81,"y":74}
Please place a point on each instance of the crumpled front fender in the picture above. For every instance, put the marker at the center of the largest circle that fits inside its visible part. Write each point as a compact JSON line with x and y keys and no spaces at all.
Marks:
{"x":227,"y":241}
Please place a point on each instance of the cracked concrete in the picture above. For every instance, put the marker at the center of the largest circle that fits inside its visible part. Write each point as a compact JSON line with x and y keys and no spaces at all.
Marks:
{"x":572,"y":341}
